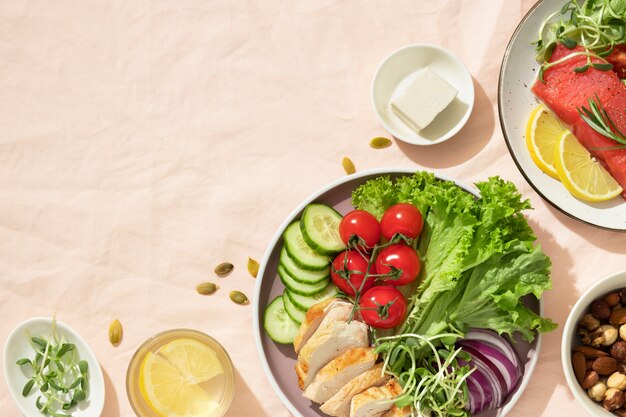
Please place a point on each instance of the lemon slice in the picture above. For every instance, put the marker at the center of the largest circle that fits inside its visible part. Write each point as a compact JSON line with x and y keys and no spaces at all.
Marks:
{"x":580,"y":173}
{"x":170,"y":379}
{"x":543,"y":131}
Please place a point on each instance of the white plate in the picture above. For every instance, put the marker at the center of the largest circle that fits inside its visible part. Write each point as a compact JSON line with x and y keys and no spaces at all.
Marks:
{"x":279,"y":360}
{"x":515,"y":103}
{"x":399,"y":69}
{"x":17,"y":346}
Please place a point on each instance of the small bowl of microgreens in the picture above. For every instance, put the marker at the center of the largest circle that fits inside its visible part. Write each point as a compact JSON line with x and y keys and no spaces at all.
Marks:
{"x":51,"y":371}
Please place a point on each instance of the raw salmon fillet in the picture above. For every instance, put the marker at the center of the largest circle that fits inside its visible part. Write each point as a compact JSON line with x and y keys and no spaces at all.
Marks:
{"x":564,"y":91}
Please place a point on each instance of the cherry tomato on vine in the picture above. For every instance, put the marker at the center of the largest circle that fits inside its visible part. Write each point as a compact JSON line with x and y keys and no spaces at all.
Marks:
{"x":360,"y":226}
{"x":401,"y":218}
{"x":401,"y":262}
{"x":349,"y":267}
{"x":383,"y":307}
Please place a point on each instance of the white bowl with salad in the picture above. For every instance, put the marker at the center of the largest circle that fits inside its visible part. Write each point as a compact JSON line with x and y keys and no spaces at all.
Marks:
{"x":48,"y":366}
{"x":466,"y":287}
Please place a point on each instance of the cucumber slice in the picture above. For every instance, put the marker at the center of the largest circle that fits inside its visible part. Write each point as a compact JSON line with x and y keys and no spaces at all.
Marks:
{"x":298,"y":287}
{"x":295,"y":314}
{"x":304,"y":302}
{"x":301,"y":253}
{"x":279,"y":326}
{"x":299,"y":274}
{"x":320,"y":229}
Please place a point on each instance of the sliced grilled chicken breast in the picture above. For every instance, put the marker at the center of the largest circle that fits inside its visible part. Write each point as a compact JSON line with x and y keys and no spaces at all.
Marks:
{"x":316,"y":315}
{"x":330,"y":340}
{"x":398,"y":412}
{"x":374,"y":401}
{"x":339,"y":404}
{"x":339,"y":372}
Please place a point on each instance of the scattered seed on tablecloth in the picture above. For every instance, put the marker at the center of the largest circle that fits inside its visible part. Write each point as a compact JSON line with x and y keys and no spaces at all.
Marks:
{"x":380,"y":143}
{"x":115,"y":332}
{"x":238,"y":297}
{"x":253,"y":267}
{"x":348,"y":165}
{"x":206,"y":288}
{"x":224,"y":269}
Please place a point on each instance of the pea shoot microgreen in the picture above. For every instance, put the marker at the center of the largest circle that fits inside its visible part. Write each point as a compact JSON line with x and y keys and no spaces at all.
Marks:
{"x":57,"y":373}
{"x":596,"y":25}
{"x":431,"y":370}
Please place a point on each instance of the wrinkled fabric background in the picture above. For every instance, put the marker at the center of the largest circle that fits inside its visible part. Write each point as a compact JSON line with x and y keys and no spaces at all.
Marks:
{"x":143,"y":142}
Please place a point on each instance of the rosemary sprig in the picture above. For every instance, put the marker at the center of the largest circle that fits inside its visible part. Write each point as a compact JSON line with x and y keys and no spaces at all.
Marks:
{"x":599,"y":120}
{"x":57,"y":373}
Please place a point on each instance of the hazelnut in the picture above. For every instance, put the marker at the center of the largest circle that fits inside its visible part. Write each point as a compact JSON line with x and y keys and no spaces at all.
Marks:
{"x":590,"y":379}
{"x":596,"y":391}
{"x":604,"y":335}
{"x":600,"y":310}
{"x":622,"y":332}
{"x":612,"y":299}
{"x":620,"y":412}
{"x":613,"y":399}
{"x":618,"y":350}
{"x":617,"y":380}
{"x":622,"y":295}
{"x":589,"y":322}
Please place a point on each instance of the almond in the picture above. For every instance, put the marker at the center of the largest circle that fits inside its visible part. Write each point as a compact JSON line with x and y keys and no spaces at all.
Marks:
{"x":618,"y":316}
{"x":579,"y":364}
{"x":605,"y":365}
{"x":591,"y":377}
{"x":589,"y":352}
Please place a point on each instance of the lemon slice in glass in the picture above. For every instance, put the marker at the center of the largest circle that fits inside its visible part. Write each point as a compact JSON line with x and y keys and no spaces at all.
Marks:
{"x":170,"y":379}
{"x":543,"y":131}
{"x":581,"y":173}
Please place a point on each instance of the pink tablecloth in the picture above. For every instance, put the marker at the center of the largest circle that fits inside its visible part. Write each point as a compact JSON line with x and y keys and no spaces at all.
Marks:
{"x":143,"y":142}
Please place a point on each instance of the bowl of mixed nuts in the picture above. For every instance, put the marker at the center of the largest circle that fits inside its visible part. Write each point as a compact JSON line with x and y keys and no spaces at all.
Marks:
{"x":593,"y":348}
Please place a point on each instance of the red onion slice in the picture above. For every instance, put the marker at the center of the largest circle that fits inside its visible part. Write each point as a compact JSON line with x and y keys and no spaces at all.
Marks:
{"x":491,"y":373}
{"x":498,"y":342}
{"x":480,"y":390}
{"x":509,"y":371}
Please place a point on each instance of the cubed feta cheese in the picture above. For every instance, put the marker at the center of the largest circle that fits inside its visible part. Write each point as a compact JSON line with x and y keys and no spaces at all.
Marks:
{"x":423,"y":99}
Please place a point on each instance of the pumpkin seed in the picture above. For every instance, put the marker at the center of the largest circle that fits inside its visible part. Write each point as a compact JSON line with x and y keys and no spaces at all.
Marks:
{"x":253,"y":267}
{"x":238,"y":297}
{"x":348,"y":165}
{"x":224,"y":269}
{"x":115,"y":332}
{"x":380,"y":143}
{"x":206,"y":288}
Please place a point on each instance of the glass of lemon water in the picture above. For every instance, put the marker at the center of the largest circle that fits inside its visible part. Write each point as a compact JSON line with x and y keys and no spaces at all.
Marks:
{"x":182,"y":373}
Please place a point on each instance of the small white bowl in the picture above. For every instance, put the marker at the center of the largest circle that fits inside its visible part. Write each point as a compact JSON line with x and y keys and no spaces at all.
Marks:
{"x":399,"y":69}
{"x":606,"y":285}
{"x":17,"y":346}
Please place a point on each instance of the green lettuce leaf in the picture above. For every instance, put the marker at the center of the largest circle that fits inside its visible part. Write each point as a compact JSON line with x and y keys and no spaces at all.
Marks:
{"x":479,"y":255}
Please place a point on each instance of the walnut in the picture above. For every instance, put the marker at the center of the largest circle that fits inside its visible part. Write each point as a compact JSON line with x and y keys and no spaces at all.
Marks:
{"x":589,"y":322}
